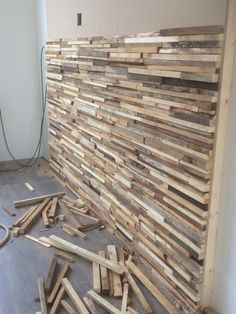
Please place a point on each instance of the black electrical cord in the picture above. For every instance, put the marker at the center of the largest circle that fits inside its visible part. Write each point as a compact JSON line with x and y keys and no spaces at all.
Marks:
{"x":32,"y":161}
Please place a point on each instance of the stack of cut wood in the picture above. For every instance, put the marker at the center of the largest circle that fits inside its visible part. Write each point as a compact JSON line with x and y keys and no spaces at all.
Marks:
{"x":132,"y":124}
{"x":45,"y":206}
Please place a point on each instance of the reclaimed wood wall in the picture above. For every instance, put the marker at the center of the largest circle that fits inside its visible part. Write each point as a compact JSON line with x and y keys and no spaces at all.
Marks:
{"x":132,"y":123}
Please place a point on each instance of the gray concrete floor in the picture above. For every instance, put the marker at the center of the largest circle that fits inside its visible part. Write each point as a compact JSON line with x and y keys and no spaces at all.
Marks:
{"x":23,"y":261}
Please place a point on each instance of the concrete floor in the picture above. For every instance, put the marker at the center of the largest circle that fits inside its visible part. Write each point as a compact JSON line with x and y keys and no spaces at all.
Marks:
{"x":23,"y":261}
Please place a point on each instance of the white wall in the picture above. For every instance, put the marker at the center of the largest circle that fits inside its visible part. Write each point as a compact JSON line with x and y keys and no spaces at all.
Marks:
{"x":20,"y":98}
{"x":107,"y":17}
{"x":224,"y":291}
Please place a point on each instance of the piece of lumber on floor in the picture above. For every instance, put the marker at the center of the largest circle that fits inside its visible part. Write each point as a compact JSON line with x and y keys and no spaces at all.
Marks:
{"x":51,"y":274}
{"x":35,"y":200}
{"x":137,"y":291}
{"x":130,"y":310}
{"x":96,"y":278}
{"x":69,"y":216}
{"x":103,"y":303}
{"x":74,"y":296}
{"x":80,"y":234}
{"x":104,"y":275}
{"x":70,"y":247}
{"x":64,"y":256}
{"x":57,"y":285}
{"x":27,"y":236}
{"x":67,"y":307}
{"x":26,"y":214}
{"x":117,"y":286}
{"x":125,"y":298}
{"x":90,"y":305}
{"x":42,"y":296}
{"x":57,"y":301}
{"x":68,"y":230}
{"x":29,"y":187}
{"x":31,"y":219}
{"x":8,"y":211}
{"x":45,"y":214}
{"x":152,"y":288}
{"x":53,"y":209}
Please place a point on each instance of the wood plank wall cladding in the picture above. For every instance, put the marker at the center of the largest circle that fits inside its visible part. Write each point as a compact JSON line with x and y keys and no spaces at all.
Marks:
{"x":132,"y":124}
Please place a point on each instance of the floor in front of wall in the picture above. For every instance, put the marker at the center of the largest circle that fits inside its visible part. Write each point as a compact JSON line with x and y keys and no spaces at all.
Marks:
{"x":23,"y":261}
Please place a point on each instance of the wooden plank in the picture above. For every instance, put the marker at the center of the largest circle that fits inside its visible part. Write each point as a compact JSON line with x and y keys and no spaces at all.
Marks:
{"x":67,"y":307}
{"x":57,"y":285}
{"x":53,"y":209}
{"x":103,"y":303}
{"x":104,"y":275}
{"x":222,"y":118}
{"x":42,"y":296}
{"x":57,"y":301}
{"x":27,"y":236}
{"x":45,"y":214}
{"x":51,"y":274}
{"x":80,"y":234}
{"x":152,"y":288}
{"x":24,"y":217}
{"x":125,"y":298}
{"x":31,"y":219}
{"x":90,"y":305}
{"x":138,"y":293}
{"x":29,"y":187}
{"x":117,"y":286}
{"x":74,"y":296}
{"x":64,"y":256}
{"x":96,"y":278}
{"x":87,"y":254}
{"x":200,"y":30}
{"x":35,"y":200}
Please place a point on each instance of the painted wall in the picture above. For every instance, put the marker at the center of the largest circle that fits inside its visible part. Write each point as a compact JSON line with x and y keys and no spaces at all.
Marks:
{"x":224,"y":292}
{"x":106,"y":17}
{"x":20,"y":101}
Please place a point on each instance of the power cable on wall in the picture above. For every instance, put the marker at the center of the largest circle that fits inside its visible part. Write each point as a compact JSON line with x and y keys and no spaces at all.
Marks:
{"x":33,"y":160}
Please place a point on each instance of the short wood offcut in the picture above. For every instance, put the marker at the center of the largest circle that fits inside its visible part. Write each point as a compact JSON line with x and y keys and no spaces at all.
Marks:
{"x":132,"y":124}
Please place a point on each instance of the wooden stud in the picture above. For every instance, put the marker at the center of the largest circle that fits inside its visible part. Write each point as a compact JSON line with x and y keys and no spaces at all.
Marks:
{"x":42,"y":296}
{"x":57,"y":285}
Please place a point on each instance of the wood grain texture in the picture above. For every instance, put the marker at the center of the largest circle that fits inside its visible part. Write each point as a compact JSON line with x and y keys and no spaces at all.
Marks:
{"x":132,"y":129}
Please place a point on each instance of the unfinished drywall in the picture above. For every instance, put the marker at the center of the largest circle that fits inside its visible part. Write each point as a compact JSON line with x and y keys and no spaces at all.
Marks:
{"x":20,"y":96}
{"x":105,"y":17}
{"x":225,"y":272}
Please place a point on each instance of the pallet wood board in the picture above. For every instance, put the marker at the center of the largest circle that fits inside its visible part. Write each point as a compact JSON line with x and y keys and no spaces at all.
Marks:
{"x":132,"y":129}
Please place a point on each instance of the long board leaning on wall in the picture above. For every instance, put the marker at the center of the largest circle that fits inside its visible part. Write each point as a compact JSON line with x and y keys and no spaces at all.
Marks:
{"x":132,"y":124}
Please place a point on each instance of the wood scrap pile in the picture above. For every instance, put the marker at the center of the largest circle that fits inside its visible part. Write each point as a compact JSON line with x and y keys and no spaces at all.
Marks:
{"x":111,"y":276}
{"x":132,"y":124}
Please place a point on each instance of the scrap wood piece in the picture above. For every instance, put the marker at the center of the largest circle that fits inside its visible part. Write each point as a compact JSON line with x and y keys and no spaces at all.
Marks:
{"x":64,"y":256}
{"x":103,"y":303}
{"x":67,"y":307}
{"x":89,"y":227}
{"x":104,"y":275}
{"x":51,"y":273}
{"x":96,"y":278}
{"x":35,"y":200}
{"x":6,"y":236}
{"x":42,"y":298}
{"x":77,"y":202}
{"x":45,"y":214}
{"x":72,"y":248}
{"x":199,"y":30}
{"x":16,"y":231}
{"x":80,"y":234}
{"x":116,"y":278}
{"x":92,"y":218}
{"x":8,"y":211}
{"x":152,"y":288}
{"x":58,"y":283}
{"x":29,"y":187}
{"x":53,"y":209}
{"x":69,"y":216}
{"x":68,"y":230}
{"x":27,"y":236}
{"x":74,"y":296}
{"x":45,"y":240}
{"x":30,"y":220}
{"x":139,"y":295}
{"x":130,"y":310}
{"x":24,"y":217}
{"x":125,"y":298}
{"x":57,"y":301}
{"x":90,"y":305}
